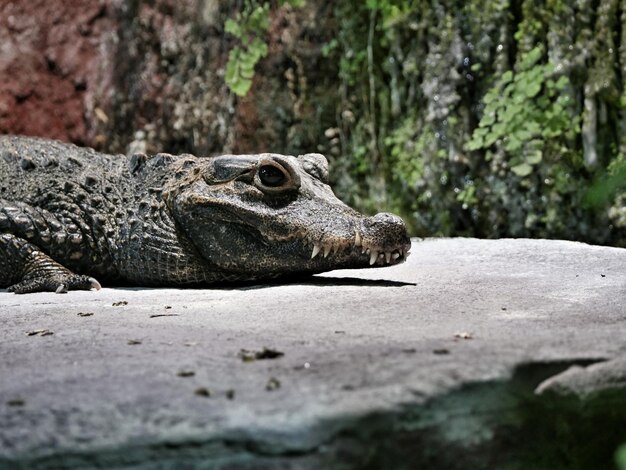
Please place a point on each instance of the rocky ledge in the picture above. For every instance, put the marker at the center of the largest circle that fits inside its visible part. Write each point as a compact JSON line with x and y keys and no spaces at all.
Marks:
{"x":474,"y":353}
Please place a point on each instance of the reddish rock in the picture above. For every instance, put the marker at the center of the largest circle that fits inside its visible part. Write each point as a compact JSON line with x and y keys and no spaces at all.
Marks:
{"x":53,"y":58}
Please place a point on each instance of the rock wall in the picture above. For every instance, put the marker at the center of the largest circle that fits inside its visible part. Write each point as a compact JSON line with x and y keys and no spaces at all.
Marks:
{"x":127,"y":75}
{"x":55,"y":67}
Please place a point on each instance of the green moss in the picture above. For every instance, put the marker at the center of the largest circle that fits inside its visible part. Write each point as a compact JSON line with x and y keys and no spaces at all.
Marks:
{"x":476,"y":124}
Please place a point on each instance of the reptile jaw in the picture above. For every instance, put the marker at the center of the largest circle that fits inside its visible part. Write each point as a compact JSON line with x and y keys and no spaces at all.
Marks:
{"x":379,"y":240}
{"x":386,"y":255}
{"x":358,"y":246}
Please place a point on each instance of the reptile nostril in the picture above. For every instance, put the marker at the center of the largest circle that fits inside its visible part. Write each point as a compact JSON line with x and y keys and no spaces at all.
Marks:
{"x":387,"y":219}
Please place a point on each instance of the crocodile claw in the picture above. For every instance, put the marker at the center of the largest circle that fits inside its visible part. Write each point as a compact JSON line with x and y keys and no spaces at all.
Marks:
{"x":59,"y":284}
{"x":94,"y":283}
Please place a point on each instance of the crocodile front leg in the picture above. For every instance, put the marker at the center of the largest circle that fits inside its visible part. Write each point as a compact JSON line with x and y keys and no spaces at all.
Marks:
{"x":39,"y":250}
{"x":24,"y":268}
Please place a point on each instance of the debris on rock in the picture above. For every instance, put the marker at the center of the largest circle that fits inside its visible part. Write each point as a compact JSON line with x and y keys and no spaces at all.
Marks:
{"x":39,"y":333}
{"x":265,"y":353}
{"x":272,"y":384}
{"x":186,"y":373}
{"x":202,"y":392}
{"x":463,"y":335}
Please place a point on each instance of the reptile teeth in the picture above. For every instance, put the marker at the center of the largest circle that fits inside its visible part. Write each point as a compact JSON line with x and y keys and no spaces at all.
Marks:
{"x":382,"y":255}
{"x":357,"y":239}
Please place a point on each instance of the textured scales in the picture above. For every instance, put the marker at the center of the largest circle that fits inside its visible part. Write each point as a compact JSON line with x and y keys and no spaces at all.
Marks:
{"x":71,"y":217}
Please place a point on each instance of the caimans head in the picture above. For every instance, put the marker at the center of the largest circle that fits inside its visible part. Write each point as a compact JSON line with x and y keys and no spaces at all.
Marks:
{"x":269,"y":214}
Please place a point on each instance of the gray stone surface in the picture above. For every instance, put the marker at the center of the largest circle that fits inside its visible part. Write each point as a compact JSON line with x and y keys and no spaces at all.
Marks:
{"x":371,"y":357}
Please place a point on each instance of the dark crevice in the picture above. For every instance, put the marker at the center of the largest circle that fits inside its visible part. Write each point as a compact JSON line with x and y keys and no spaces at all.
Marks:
{"x":516,"y":20}
{"x":498,"y":425}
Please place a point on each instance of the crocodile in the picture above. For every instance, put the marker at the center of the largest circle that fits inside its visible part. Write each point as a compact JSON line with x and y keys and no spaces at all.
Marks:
{"x":72,"y":218}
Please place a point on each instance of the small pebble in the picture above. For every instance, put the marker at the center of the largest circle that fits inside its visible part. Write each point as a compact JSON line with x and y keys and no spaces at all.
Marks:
{"x":463,"y":335}
{"x":272,"y":384}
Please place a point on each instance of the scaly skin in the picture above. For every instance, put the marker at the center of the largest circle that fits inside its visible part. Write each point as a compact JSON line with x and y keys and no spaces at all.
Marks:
{"x":70,"y":215}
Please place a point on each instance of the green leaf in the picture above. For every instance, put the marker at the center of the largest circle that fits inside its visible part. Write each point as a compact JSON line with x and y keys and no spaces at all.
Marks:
{"x":490,"y":139}
{"x":531,"y":58}
{"x":620,"y":457}
{"x":490,"y":97}
{"x":232,"y":67}
{"x":534,"y":157}
{"x":476,"y":143}
{"x":536,"y":74}
{"x":259,"y":18}
{"x":508,"y":90}
{"x":240,"y":87}
{"x":506,"y":77}
{"x":523,"y":169}
{"x":259,"y":47}
{"x":542,"y":102}
{"x":606,"y":187}
{"x":480,"y":132}
{"x":499,"y":129}
{"x":523,"y":135}
{"x":513,"y":144}
{"x":533,"y":127}
{"x":246,"y":73}
{"x":532,"y":89}
{"x":488,"y":119}
{"x":240,"y":70}
{"x":232,"y":27}
{"x":329,"y":47}
{"x":561,"y":83}
{"x":511,"y":112}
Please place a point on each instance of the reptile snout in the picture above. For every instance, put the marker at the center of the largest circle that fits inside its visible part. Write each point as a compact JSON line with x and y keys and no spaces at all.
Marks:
{"x":384,"y":236}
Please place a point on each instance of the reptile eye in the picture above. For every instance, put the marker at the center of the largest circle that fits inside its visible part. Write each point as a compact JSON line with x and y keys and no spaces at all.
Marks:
{"x":272,"y":176}
{"x":275,"y":175}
